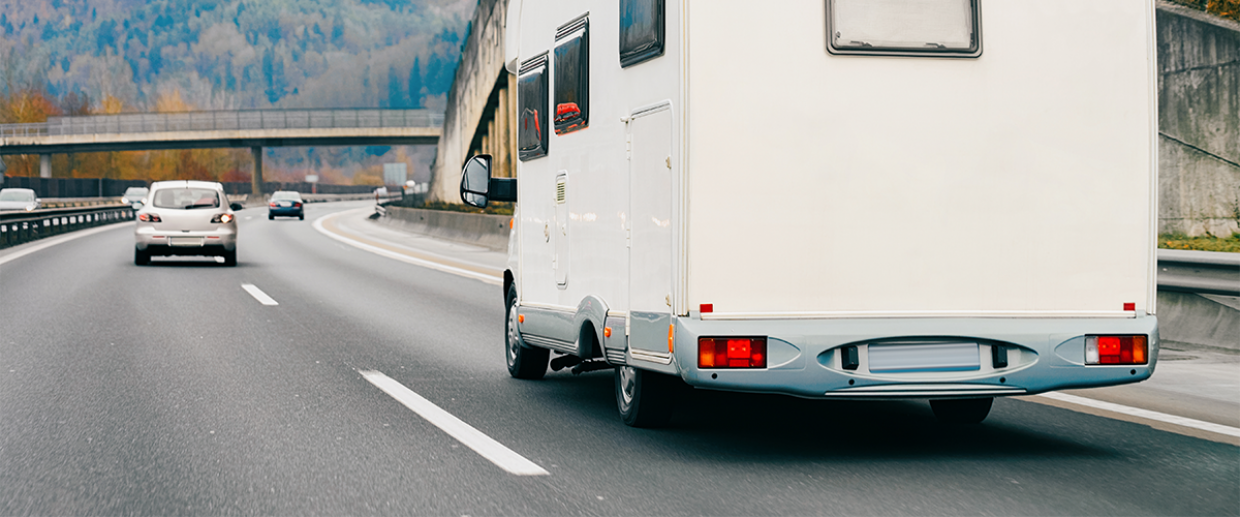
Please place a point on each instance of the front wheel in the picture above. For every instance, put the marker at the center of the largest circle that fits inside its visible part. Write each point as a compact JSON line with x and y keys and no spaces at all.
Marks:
{"x":524,"y":362}
{"x":645,"y":398}
{"x":962,"y":411}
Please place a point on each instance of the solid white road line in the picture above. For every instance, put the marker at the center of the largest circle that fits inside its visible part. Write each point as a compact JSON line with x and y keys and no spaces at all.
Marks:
{"x":47,"y":243}
{"x":484,"y":445}
{"x":1144,"y":413}
{"x":490,"y":279}
{"x":259,"y":295}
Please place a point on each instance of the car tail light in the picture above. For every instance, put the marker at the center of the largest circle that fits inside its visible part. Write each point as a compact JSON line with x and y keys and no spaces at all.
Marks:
{"x":222,"y":218}
{"x":150,"y":218}
{"x":732,"y":352}
{"x":296,"y":205}
{"x":274,"y":204}
{"x":1116,"y":350}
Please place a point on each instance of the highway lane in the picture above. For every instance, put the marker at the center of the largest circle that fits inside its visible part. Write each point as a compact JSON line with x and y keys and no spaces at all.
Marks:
{"x":169,"y":390}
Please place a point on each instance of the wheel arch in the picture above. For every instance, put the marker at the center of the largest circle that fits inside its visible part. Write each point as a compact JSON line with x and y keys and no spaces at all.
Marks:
{"x":590,"y":320}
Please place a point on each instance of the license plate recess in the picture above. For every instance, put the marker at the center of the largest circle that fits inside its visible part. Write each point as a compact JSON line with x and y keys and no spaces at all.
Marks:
{"x":924,"y":357}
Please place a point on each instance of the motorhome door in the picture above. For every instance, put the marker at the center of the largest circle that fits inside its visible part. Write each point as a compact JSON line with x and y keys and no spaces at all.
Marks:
{"x":650,"y":224}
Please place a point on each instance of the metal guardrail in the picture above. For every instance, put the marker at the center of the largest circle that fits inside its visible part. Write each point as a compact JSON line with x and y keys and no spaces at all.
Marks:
{"x":225,"y":121}
{"x":1201,"y":272}
{"x":21,"y":227}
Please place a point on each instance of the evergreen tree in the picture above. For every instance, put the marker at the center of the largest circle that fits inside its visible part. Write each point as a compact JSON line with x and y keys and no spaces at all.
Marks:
{"x":415,"y":84}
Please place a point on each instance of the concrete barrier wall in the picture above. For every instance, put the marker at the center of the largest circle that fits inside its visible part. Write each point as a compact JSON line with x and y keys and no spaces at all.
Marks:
{"x":1199,"y":320}
{"x":488,"y":231}
{"x":1198,"y":122}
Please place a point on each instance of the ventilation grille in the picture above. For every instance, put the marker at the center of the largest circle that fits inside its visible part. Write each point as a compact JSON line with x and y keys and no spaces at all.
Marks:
{"x":560,"y":186}
{"x":533,"y":63}
{"x":579,"y":23}
{"x":615,"y":356}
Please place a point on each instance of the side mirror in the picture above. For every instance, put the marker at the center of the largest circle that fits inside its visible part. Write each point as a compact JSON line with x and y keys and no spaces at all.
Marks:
{"x":476,"y":181}
{"x":236,"y":206}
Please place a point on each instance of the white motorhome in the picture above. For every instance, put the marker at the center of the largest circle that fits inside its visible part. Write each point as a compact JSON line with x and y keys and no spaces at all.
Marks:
{"x":950,"y":200}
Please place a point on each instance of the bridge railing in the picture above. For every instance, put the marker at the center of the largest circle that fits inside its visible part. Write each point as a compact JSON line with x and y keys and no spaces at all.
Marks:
{"x":225,"y":121}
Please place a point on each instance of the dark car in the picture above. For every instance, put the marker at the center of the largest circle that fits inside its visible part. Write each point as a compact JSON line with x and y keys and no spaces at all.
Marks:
{"x":286,"y":203}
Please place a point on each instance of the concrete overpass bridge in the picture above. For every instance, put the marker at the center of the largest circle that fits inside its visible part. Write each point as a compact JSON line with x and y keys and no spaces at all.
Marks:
{"x":254,"y":129}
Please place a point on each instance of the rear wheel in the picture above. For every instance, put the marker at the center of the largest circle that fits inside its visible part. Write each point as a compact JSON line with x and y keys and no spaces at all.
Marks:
{"x":301,"y":217}
{"x":270,"y":217}
{"x":141,"y":257}
{"x":524,"y":362}
{"x":645,"y":398}
{"x":230,"y":258}
{"x":962,"y":411}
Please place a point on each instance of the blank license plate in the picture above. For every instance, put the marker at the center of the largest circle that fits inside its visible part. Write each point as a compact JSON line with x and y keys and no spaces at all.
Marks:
{"x":932,"y":357}
{"x":286,"y":204}
{"x":185,"y":241}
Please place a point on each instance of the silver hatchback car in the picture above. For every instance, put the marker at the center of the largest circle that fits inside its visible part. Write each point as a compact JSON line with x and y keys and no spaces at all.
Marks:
{"x":186,"y":218}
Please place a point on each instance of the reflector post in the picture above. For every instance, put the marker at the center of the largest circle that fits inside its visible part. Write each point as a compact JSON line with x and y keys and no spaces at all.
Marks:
{"x":1108,"y":350}
{"x":732,"y":352}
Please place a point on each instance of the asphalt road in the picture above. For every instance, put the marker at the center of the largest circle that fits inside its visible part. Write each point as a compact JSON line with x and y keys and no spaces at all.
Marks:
{"x":170,"y":390}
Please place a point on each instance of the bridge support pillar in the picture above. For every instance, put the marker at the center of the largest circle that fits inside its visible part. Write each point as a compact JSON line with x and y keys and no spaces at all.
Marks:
{"x":45,"y":165}
{"x":256,"y":179}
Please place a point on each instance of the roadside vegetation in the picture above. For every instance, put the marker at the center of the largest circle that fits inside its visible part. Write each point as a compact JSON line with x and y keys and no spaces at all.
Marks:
{"x":1174,"y":241}
{"x":1229,"y":9}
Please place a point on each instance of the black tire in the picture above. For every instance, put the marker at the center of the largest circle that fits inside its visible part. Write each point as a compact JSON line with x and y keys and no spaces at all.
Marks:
{"x":141,"y":257}
{"x":301,"y":217}
{"x":646,"y":399}
{"x":230,"y":258}
{"x":271,"y":217}
{"x":962,"y":411}
{"x":524,"y":362}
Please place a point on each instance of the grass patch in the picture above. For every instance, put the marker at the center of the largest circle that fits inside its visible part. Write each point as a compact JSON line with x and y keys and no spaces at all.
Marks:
{"x":1179,"y":241}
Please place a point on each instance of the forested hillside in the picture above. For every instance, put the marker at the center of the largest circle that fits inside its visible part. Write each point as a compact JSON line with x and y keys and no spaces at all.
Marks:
{"x":112,"y":56}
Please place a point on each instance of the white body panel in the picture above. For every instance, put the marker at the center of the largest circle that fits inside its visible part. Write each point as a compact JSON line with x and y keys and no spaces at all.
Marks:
{"x":1013,"y":183}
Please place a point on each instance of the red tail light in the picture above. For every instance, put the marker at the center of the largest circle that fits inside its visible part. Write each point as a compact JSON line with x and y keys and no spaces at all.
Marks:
{"x":1116,"y":350}
{"x":732,"y":352}
{"x":149,"y":218}
{"x":296,"y":205}
{"x":274,"y":204}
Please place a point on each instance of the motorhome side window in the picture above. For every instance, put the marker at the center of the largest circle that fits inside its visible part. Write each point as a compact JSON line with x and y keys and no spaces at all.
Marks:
{"x":641,"y":30}
{"x":572,"y":76}
{"x":532,"y":122}
{"x":942,"y":28}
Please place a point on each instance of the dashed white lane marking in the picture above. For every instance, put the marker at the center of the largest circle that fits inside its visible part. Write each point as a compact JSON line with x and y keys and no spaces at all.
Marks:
{"x":484,"y":445}
{"x":47,"y":243}
{"x":258,"y":294}
{"x":1144,"y":413}
{"x":490,"y":279}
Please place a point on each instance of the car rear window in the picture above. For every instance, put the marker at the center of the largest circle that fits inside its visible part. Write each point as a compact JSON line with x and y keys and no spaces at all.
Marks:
{"x":18,"y":195}
{"x":187,"y":198}
{"x":282,"y":196}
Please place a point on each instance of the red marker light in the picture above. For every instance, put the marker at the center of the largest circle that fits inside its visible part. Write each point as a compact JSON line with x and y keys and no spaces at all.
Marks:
{"x":745,"y":352}
{"x":1130,"y":306}
{"x":1107,"y":350}
{"x":707,"y":308}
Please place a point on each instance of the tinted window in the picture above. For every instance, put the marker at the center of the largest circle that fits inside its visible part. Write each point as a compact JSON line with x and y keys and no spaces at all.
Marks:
{"x":572,"y":77}
{"x":641,"y":30}
{"x":904,"y":27}
{"x":532,"y":119}
{"x":187,"y":198}
{"x":285,"y":195}
{"x":17,"y":195}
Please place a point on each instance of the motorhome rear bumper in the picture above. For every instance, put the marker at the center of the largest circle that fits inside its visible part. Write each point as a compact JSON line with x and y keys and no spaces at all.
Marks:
{"x":804,"y":356}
